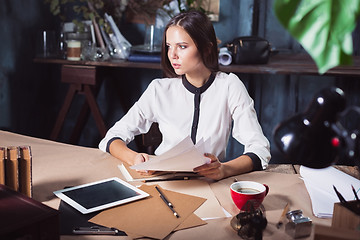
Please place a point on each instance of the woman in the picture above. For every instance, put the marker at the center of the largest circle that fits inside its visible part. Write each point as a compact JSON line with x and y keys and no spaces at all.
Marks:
{"x":195,"y":100}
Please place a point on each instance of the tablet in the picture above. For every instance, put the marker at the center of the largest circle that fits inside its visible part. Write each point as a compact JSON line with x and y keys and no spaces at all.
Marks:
{"x":100,"y":195}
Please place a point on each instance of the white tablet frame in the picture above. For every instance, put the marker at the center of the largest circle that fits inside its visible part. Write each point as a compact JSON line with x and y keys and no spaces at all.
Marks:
{"x":60,"y":194}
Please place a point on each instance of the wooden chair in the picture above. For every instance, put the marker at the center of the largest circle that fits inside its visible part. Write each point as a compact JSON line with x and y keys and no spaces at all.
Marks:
{"x":152,"y":139}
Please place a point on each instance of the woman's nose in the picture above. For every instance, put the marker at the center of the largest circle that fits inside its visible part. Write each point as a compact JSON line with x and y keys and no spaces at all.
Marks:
{"x":173,"y":54}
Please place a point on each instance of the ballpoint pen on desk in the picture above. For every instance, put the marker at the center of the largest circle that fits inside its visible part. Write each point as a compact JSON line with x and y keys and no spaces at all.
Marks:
{"x":167,"y":202}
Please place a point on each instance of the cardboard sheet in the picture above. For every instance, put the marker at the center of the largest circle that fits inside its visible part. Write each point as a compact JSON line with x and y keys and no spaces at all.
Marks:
{"x":151,"y":217}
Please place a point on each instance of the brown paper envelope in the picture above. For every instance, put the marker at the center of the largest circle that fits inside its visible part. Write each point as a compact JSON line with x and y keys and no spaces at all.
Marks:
{"x":150,"y":217}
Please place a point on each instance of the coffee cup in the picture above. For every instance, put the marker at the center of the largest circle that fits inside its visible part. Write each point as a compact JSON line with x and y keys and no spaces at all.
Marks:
{"x":248,"y":191}
{"x":73,"y":50}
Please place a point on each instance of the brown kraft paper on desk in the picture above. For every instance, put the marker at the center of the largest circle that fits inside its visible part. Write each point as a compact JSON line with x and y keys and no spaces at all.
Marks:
{"x":151,"y":217}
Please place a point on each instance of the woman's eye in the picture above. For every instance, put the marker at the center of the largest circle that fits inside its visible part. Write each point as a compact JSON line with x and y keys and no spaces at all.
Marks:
{"x":182,"y":46}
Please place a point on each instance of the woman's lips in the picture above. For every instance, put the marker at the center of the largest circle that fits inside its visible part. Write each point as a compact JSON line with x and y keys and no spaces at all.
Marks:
{"x":176,"y":66}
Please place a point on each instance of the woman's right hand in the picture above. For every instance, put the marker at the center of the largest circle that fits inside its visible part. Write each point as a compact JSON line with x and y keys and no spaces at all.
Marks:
{"x":140,"y":158}
{"x":119,"y":150}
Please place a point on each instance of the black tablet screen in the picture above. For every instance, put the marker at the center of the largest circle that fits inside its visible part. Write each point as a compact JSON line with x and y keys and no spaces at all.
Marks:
{"x":100,"y":194}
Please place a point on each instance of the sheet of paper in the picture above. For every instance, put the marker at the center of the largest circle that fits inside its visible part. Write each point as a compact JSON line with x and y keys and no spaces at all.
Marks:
{"x":184,"y":157}
{"x":319,"y":184}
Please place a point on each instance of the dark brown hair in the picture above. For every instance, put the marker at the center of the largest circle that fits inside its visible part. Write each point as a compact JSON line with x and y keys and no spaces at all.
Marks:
{"x":201,"y":30}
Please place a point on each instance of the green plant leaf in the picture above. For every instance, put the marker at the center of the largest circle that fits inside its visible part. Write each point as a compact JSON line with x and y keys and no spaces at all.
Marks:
{"x":323,"y":27}
{"x":54,"y":7}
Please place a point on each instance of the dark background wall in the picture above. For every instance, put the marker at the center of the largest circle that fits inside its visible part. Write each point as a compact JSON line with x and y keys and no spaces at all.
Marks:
{"x":31,"y":94}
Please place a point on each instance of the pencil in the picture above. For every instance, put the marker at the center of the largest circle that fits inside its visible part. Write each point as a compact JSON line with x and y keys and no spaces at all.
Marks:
{"x":286,"y":209}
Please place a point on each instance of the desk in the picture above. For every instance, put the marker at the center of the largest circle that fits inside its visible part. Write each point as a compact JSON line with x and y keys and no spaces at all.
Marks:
{"x":56,"y":165}
{"x":82,"y":78}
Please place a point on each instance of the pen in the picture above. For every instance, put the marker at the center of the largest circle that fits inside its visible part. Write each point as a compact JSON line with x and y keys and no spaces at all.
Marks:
{"x":169,"y":204}
{"x":95,"y":230}
{"x":286,"y":209}
{"x":166,"y":179}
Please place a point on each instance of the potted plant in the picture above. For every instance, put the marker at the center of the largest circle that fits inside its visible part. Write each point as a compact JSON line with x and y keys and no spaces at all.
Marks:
{"x":324,"y":28}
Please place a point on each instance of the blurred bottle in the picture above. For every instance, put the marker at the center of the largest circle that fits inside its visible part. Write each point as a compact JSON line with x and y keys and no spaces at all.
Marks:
{"x":45,"y":44}
{"x":62,"y":43}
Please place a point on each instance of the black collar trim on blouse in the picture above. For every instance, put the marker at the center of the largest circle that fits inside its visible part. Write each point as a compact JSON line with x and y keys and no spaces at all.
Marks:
{"x":194,"y":89}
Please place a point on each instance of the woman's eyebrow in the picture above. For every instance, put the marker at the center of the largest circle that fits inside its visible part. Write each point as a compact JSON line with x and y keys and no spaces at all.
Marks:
{"x":181,"y":43}
{"x":178,"y":43}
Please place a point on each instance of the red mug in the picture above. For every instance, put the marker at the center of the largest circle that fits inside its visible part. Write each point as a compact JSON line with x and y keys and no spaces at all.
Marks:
{"x":244,"y":191}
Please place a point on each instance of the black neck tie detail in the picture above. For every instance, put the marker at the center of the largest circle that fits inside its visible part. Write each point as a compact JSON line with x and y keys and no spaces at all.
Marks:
{"x":197,"y":93}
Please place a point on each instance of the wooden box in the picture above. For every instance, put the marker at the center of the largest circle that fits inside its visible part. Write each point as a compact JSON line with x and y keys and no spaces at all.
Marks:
{"x":332,"y":233}
{"x":24,"y":218}
{"x":344,"y":218}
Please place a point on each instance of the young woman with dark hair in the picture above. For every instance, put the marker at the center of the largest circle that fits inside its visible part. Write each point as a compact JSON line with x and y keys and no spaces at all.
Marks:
{"x":203,"y":35}
{"x":195,"y":100}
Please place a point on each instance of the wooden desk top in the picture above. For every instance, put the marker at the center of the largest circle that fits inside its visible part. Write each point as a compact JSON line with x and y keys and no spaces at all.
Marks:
{"x":56,"y":165}
{"x":289,"y":63}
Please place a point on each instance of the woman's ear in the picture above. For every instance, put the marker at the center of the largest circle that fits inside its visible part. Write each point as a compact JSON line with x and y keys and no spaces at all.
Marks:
{"x":208,"y":49}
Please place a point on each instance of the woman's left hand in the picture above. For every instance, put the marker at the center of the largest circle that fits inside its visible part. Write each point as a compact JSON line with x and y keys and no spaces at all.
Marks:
{"x":211,"y":170}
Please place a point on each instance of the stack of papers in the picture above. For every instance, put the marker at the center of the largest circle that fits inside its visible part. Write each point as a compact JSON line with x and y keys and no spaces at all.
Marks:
{"x":319,"y":184}
{"x":184,"y":157}
{"x":133,"y":175}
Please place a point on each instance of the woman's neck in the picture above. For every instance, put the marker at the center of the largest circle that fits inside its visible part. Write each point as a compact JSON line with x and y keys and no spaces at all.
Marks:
{"x":199,"y":78}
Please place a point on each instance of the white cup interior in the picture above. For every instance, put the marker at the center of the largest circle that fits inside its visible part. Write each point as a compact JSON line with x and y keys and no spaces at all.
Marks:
{"x":248,"y":184}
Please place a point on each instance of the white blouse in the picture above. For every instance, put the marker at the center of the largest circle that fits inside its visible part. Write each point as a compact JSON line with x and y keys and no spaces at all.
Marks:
{"x":171,"y":102}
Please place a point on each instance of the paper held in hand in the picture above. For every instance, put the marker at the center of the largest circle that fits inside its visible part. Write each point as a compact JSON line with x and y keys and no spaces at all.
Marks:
{"x":184,"y":157}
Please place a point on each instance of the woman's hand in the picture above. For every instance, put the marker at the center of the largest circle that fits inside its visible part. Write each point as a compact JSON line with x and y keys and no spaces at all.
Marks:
{"x":140,"y":158}
{"x":213,"y":169}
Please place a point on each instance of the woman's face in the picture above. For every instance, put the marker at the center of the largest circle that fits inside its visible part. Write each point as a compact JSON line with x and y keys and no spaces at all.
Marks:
{"x":182,"y":52}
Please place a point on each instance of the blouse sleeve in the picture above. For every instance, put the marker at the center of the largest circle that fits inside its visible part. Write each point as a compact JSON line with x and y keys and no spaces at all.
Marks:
{"x":136,"y":121}
{"x":246,"y":127}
